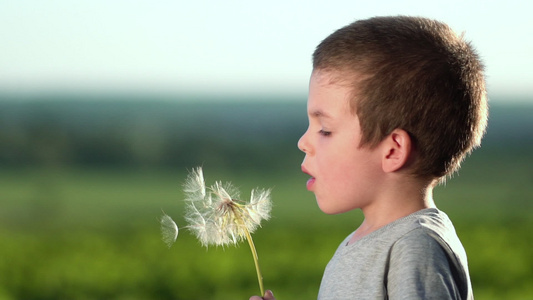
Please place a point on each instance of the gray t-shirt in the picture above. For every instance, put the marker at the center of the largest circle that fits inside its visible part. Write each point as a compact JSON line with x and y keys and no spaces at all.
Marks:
{"x":415,"y":257}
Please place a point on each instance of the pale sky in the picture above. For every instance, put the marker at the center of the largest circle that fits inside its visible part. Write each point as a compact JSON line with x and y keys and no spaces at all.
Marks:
{"x":227,"y":47}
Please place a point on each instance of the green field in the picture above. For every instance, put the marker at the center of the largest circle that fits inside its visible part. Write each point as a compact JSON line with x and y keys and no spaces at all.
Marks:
{"x":83,"y":183}
{"x":94,"y":234}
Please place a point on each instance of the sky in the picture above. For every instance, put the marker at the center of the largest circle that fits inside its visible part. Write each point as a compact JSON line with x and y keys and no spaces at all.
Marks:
{"x":227,"y":47}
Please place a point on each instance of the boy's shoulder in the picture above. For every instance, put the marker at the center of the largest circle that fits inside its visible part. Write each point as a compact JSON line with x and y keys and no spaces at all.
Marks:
{"x":429,"y":246}
{"x":425,"y":232}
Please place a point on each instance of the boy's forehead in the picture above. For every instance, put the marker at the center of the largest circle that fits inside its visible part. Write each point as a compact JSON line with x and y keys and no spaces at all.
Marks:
{"x":327,"y":77}
{"x":330,"y":89}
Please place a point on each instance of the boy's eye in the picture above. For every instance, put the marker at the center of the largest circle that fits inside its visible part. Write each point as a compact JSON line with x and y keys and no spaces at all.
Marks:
{"x":324,"y":133}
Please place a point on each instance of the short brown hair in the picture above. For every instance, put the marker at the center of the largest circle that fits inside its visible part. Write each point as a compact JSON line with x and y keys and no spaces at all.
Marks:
{"x":417,"y":75}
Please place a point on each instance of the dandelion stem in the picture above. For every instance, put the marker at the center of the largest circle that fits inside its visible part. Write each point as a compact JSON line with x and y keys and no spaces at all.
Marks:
{"x":256,"y":260}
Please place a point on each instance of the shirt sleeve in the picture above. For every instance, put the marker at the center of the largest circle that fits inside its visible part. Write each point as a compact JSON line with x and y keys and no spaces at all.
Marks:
{"x":419,"y":268}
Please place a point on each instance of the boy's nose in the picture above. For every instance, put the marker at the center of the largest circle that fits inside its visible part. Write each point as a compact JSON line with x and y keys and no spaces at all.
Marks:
{"x":302,"y":144}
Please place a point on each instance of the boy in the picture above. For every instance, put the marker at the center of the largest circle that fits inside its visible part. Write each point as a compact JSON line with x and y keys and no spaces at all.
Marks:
{"x":395,"y":104}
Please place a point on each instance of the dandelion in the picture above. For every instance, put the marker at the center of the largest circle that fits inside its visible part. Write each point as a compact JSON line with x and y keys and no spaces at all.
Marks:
{"x":217,"y":215}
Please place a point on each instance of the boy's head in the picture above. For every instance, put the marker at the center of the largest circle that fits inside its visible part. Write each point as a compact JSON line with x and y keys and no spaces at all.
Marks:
{"x":413,"y":74}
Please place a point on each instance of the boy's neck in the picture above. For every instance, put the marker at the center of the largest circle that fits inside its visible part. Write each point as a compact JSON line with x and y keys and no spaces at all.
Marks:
{"x":395,"y":203}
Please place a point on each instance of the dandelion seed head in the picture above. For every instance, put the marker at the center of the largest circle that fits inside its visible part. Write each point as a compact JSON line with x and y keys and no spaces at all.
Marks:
{"x":217,"y":215}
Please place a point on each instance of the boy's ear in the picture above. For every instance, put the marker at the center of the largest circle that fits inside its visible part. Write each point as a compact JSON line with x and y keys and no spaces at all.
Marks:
{"x":397,"y":150}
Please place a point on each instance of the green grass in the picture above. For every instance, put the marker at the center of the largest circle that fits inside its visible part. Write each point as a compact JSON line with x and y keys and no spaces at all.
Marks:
{"x":94,"y":234}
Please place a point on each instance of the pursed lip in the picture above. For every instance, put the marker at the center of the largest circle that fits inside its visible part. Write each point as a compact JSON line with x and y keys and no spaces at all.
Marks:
{"x":311,"y":182}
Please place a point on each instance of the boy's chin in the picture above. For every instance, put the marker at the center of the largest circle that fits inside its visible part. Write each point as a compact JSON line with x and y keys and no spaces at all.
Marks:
{"x":329,"y":209}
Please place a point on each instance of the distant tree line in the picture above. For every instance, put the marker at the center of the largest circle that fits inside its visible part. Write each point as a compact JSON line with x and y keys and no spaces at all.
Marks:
{"x":155,"y":134}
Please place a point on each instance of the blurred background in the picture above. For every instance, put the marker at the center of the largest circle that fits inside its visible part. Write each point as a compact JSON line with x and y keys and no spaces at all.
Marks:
{"x":106,"y":105}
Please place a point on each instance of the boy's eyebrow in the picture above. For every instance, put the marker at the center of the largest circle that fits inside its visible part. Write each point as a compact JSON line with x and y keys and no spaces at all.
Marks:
{"x":319,"y":114}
